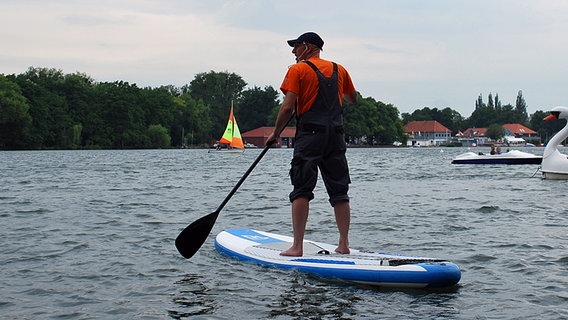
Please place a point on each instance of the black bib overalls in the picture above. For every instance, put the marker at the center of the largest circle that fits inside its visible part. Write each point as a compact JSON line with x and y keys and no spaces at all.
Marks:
{"x":320,"y":143}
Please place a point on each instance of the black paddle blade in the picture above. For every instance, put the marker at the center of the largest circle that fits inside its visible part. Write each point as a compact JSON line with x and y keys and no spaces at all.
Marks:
{"x":194,"y":235}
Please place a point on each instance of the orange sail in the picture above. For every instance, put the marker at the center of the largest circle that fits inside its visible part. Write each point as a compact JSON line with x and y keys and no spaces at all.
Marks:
{"x":232,"y":135}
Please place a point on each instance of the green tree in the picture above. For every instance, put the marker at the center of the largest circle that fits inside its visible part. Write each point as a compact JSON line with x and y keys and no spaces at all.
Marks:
{"x":358,"y":121}
{"x":158,"y":136}
{"x":217,"y":89}
{"x":391,"y":128}
{"x":157,"y":105}
{"x":122,"y":114}
{"x":479,"y":102}
{"x":51,"y":117}
{"x":192,"y":121}
{"x":482,"y":117}
{"x":256,"y":106}
{"x":521,"y":108}
{"x":15,"y":120}
{"x":372,"y":122}
{"x":451,"y":119}
{"x":77,"y":88}
{"x":495,"y":113}
{"x":506,"y":114}
{"x":495,"y":131}
{"x":497,"y":102}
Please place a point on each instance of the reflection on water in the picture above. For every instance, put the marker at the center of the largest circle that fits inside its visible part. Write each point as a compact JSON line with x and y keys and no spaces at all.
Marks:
{"x":307,"y":298}
{"x":192,"y":298}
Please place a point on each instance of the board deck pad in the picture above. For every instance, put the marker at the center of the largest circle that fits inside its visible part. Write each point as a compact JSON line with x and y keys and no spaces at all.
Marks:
{"x":312,"y":250}
{"x":319,"y":258}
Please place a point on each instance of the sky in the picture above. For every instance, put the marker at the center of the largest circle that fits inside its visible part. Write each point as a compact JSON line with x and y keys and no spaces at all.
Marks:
{"x":408,"y":53}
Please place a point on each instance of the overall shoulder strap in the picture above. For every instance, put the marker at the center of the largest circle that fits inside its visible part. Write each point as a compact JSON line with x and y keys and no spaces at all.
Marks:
{"x":316,"y":68}
{"x":311,"y":65}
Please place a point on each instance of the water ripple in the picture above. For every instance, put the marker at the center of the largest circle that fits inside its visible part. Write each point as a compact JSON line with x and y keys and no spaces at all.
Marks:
{"x":89,"y":234}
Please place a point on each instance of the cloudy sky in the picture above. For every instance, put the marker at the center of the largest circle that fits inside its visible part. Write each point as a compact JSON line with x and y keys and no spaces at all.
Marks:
{"x":409,"y":53}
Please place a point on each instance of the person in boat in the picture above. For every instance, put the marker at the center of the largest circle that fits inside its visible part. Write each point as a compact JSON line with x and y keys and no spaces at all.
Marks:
{"x":314,"y":89}
{"x":492,"y":150}
{"x":498,"y":150}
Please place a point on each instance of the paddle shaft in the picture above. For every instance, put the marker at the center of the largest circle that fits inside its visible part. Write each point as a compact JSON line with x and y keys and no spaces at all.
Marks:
{"x":252,"y":166}
{"x":194,"y":235}
{"x":243,"y":178}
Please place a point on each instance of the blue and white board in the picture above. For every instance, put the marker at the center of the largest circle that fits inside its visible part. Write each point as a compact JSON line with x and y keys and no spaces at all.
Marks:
{"x":385,"y":270}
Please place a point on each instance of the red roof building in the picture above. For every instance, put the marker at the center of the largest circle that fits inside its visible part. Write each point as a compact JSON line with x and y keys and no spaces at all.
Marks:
{"x":518,"y":130}
{"x":427,"y":133}
{"x":514,"y":134}
{"x":258,"y":136}
{"x":425,"y":126}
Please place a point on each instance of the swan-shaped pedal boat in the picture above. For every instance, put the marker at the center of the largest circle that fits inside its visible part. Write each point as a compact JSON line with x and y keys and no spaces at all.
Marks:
{"x":554,"y":164}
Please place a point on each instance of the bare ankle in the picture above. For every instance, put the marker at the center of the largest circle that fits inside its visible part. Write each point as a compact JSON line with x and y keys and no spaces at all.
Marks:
{"x":342,"y":250}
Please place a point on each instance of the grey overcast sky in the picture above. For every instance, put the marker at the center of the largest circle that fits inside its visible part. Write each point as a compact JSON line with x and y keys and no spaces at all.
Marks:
{"x":409,"y":53}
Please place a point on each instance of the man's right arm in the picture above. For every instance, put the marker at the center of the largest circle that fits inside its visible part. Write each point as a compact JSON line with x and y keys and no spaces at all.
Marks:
{"x":285,"y":113}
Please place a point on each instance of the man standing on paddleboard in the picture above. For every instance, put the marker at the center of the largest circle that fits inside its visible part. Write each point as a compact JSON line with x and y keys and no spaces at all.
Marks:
{"x":314,"y":89}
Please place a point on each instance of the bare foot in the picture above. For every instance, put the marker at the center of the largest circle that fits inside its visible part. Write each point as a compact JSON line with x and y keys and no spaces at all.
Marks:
{"x":292,"y":252}
{"x":342,"y":250}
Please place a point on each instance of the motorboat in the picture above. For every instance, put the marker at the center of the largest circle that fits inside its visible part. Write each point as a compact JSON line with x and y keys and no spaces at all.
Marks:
{"x":555,"y":164}
{"x":511,"y":157}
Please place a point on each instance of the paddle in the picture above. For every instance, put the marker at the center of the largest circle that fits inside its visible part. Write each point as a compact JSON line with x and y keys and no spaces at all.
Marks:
{"x":195,"y":234}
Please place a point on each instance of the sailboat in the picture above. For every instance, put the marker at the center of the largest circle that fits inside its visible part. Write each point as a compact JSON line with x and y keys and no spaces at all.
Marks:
{"x":231,"y":137}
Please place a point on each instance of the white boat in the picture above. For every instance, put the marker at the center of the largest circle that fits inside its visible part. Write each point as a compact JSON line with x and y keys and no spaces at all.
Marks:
{"x":511,"y":157}
{"x":555,"y":164}
{"x":231,"y":141}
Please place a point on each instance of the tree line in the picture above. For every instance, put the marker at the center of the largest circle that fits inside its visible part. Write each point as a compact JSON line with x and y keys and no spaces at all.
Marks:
{"x":44,"y":108}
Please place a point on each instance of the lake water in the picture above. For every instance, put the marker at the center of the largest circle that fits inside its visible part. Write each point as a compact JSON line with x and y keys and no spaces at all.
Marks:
{"x":90,"y":235}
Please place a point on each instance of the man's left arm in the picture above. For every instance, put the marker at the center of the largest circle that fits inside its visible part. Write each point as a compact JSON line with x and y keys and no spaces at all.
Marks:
{"x":351,"y":97}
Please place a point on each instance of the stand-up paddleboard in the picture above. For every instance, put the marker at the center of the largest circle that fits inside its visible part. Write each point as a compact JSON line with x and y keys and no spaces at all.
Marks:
{"x":385,"y":270}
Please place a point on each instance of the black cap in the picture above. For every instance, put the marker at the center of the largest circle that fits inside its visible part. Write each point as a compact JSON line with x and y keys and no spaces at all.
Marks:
{"x":308,"y":37}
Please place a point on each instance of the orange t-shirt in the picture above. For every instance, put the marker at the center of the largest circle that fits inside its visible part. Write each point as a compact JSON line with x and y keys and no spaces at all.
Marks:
{"x":302,"y":80}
